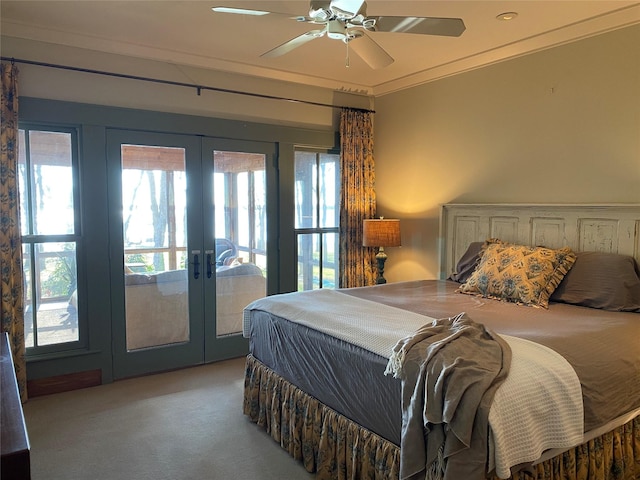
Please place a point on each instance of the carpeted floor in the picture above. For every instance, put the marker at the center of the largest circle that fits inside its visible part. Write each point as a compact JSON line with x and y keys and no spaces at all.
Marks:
{"x":186,"y":424}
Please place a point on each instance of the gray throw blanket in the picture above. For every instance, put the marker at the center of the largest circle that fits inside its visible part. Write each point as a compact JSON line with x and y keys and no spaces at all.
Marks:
{"x":450,"y":370}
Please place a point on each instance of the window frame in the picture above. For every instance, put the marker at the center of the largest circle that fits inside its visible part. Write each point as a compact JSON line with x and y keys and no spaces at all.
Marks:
{"x":31,"y":240}
{"x":318,"y":230}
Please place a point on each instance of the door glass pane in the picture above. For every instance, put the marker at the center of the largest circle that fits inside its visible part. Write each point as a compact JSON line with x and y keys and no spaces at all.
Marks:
{"x":241,"y":235}
{"x":243,"y":209}
{"x":154,"y":203}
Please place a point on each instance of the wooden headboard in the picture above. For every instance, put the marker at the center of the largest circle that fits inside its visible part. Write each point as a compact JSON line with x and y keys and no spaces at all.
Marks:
{"x":604,"y":228}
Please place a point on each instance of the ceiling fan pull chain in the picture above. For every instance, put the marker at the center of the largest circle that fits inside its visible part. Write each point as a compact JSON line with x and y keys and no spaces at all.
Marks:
{"x":347,"y":59}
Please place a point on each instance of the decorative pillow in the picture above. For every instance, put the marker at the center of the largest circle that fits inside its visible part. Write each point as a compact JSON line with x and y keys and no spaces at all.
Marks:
{"x":518,"y":273}
{"x":608,"y":281}
{"x":467,"y":263}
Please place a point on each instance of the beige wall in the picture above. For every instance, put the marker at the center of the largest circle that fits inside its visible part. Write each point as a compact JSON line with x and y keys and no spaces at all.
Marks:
{"x":561,"y":125}
{"x":58,"y":84}
{"x":558,"y":126}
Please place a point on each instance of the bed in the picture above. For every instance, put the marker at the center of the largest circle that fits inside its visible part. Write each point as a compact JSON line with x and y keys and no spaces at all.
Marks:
{"x":328,"y":402}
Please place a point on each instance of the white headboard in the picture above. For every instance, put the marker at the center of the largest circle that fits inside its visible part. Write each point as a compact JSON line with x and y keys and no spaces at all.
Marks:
{"x":604,"y":228}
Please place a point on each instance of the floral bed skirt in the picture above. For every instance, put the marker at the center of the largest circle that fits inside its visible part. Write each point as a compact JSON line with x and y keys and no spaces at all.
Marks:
{"x":338,"y":449}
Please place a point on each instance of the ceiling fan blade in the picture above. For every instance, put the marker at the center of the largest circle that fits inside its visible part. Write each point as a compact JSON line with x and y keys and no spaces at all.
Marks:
{"x":293,"y":43}
{"x":372,"y":53}
{"x":449,"y":27}
{"x":239,"y":11}
{"x":258,"y":13}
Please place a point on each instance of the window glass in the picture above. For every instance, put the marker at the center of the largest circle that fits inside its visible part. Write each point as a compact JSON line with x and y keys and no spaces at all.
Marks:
{"x":308,"y":266}
{"x":317,"y":189}
{"x":330,"y":249}
{"x":53,"y":183}
{"x":328,"y":184}
{"x":306,"y":190}
{"x":48,"y":216}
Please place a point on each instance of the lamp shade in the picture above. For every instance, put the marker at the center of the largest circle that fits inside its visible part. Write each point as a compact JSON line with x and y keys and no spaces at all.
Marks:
{"x":381,"y":232}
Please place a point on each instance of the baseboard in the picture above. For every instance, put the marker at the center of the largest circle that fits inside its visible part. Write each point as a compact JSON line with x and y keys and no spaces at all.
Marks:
{"x":63,"y":383}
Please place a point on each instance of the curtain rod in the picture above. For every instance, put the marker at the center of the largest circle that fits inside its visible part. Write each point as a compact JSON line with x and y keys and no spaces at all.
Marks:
{"x":198,"y":88}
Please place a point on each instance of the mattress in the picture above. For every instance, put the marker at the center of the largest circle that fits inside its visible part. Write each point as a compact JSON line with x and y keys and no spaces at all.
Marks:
{"x":603,"y":347}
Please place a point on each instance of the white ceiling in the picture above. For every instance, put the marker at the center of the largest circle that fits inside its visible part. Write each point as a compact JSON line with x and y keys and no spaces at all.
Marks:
{"x":189,"y":33}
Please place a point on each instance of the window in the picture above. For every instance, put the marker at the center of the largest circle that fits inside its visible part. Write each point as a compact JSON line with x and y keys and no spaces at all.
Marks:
{"x":49,"y":226}
{"x":317,"y":190}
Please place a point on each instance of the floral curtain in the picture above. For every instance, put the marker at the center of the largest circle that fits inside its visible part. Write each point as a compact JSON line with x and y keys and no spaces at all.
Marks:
{"x":11,"y":304}
{"x":357,"y":197}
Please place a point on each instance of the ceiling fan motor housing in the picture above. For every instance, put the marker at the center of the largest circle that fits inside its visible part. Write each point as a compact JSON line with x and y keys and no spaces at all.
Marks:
{"x":320,"y":10}
{"x":325,"y":10}
{"x":346,"y":9}
{"x":336,"y":30}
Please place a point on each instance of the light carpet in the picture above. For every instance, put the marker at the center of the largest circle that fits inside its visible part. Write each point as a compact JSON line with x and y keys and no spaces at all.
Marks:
{"x":186,"y":424}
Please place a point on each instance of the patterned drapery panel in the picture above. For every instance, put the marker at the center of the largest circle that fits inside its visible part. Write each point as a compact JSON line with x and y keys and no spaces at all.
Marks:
{"x":357,"y":197}
{"x":11,"y":278}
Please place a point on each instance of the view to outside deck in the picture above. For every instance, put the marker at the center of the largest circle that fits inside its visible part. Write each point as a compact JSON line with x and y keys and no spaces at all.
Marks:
{"x":154,"y":201}
{"x":154,"y":208}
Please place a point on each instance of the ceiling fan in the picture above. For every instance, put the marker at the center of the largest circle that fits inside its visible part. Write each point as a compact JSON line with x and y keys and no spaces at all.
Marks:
{"x":347,"y":20}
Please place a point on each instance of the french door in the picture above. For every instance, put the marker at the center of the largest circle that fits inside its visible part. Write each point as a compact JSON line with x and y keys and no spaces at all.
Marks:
{"x":190,"y":246}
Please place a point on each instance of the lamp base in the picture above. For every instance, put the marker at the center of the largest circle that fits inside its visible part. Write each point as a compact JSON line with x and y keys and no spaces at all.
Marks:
{"x":381,"y":257}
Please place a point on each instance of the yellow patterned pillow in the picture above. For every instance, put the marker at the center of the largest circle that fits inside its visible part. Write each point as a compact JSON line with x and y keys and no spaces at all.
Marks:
{"x":519,"y":274}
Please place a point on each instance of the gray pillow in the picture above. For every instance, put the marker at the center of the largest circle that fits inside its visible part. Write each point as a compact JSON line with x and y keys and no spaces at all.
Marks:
{"x":467,"y":263}
{"x":607,"y":281}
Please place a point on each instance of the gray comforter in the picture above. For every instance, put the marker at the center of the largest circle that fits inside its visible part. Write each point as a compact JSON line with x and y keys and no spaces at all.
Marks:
{"x":458,"y":365}
{"x":603,"y":347}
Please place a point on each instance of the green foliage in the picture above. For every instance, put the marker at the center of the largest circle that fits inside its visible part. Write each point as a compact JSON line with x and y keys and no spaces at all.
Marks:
{"x":58,"y":273}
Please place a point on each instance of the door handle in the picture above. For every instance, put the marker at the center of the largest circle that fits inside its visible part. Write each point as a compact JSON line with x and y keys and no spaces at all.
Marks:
{"x":208,"y":265}
{"x":196,"y":266}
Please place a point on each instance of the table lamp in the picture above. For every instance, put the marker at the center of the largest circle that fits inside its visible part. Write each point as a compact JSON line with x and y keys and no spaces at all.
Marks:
{"x":382,"y":232}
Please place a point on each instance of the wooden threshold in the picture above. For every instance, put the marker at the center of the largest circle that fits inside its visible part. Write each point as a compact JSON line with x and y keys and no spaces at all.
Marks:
{"x":64,"y":383}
